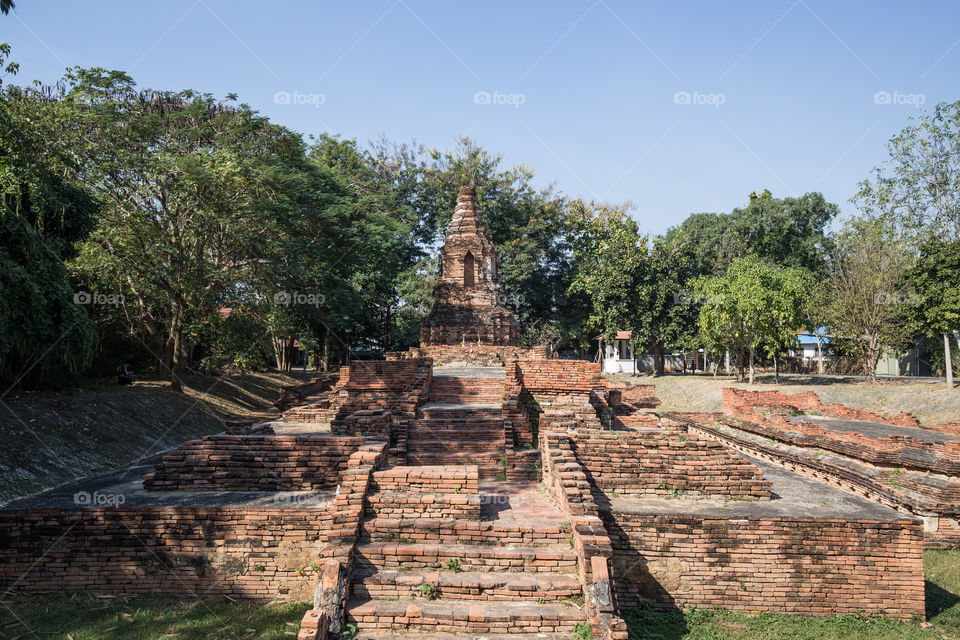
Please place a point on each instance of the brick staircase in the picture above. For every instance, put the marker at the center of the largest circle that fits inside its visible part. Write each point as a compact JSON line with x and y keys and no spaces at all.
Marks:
{"x":461,"y":424}
{"x":492,"y":577}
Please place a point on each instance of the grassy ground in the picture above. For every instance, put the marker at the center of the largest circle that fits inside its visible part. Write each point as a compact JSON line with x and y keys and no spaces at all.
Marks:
{"x":85,"y":617}
{"x":942,"y":570}
{"x":931,"y":402}
{"x":159,"y":618}
{"x":51,"y":438}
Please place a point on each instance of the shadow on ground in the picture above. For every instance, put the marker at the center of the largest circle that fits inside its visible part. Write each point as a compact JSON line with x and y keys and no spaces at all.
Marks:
{"x":938,"y":599}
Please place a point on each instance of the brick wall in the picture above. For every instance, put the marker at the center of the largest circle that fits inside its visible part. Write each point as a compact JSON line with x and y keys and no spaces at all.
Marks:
{"x":366,"y":422}
{"x":461,"y":479}
{"x":796,"y":566}
{"x":575,"y":377}
{"x":662,"y":463}
{"x":254,"y":463}
{"x":568,"y":486}
{"x":478,"y":354}
{"x":252,"y":553}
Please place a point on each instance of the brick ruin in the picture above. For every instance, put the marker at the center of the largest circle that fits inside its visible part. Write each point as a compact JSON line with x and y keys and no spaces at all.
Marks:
{"x":505,"y":494}
{"x":468,"y":299}
{"x":892,"y":460}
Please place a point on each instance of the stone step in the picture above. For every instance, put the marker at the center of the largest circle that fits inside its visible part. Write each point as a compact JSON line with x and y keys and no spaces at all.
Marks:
{"x":452,"y":433}
{"x":460,"y":398}
{"x":469,"y":532}
{"x":488,"y":463}
{"x":409,"y":504}
{"x":453,"y":445}
{"x":464,"y":616}
{"x":420,"y":635}
{"x":552,"y":558}
{"x":468,"y":422}
{"x":460,"y":411}
{"x":466,"y":585}
{"x":426,"y":479}
{"x":466,"y":387}
{"x":417,"y":457}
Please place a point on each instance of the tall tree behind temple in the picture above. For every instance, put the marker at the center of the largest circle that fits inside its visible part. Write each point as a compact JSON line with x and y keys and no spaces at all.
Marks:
{"x":529,"y":226}
{"x":386,"y":253}
{"x":790,"y":232}
{"x":44,"y":330}
{"x":197,"y":196}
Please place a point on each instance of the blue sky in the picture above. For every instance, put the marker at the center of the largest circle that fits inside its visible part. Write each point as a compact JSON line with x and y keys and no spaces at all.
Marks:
{"x":677,"y":107}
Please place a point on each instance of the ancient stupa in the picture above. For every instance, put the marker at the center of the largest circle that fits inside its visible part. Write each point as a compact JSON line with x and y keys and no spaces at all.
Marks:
{"x":468,"y":298}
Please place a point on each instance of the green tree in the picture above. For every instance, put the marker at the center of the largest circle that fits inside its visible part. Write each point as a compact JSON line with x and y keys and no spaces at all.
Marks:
{"x":789,"y":232}
{"x":935,"y":278}
{"x":198,"y":195}
{"x":755,"y":306}
{"x":866,"y":301}
{"x":611,"y":264}
{"x":386,"y":256}
{"x":919,"y":185}
{"x":667,"y":314}
{"x":44,"y":210}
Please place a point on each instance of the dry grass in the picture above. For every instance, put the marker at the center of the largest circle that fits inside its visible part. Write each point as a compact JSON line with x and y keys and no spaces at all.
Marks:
{"x":931,"y":402}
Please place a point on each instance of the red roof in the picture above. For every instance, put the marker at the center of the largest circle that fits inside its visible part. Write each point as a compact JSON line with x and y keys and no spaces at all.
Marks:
{"x":621,"y":335}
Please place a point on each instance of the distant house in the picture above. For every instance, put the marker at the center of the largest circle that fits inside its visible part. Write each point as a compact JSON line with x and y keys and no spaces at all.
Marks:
{"x":618,"y":356}
{"x":813,"y":347}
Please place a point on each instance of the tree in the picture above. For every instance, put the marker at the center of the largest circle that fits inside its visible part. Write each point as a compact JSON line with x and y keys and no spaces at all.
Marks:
{"x":44,"y":210}
{"x":530,"y":226}
{"x":935,"y":278}
{"x":610,"y":259}
{"x":387,"y":255}
{"x":667,"y":314}
{"x":197,"y":195}
{"x":754,"y":306}
{"x":789,"y":232}
{"x":919,"y":186}
{"x":866,"y":302}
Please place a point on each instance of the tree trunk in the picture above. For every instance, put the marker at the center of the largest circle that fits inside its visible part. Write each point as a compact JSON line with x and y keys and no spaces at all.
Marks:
{"x":947,"y":361}
{"x":820,"y":355}
{"x":176,"y":347}
{"x":277,"y":351}
{"x":658,"y":360}
{"x":776,"y":369}
{"x":326,"y":349}
{"x":290,"y":354}
{"x":751,"y":365}
{"x":871,"y":359}
{"x":726,"y":362}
